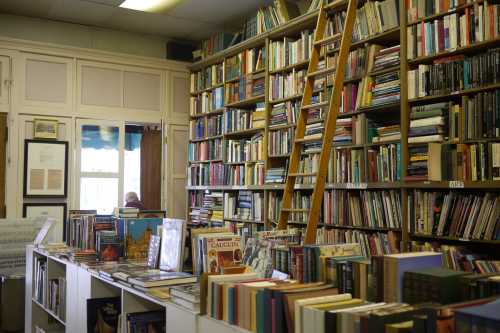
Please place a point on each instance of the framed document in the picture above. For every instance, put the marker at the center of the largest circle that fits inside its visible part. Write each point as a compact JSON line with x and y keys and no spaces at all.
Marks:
{"x":45,"y":129}
{"x":45,"y":169}
{"x":54,"y":210}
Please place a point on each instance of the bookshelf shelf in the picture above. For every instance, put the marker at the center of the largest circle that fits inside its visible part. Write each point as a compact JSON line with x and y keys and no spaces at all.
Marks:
{"x":205,"y":161}
{"x":207,"y":138}
{"x":207,"y":114}
{"x":456,"y":239}
{"x":242,"y":221}
{"x":469,"y":49}
{"x":459,"y":93}
{"x":458,"y":9}
{"x":370,"y":229}
{"x":52,"y":314}
{"x":389,"y":36}
{"x":243,"y":133}
{"x":297,"y":65}
{"x":198,"y":92}
{"x":481,"y":185}
{"x":384,"y":71}
{"x":286,"y":99}
{"x":247,"y":102}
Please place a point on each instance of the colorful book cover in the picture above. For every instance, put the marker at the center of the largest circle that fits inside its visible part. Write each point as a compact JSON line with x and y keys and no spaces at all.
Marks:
{"x":137,"y":233}
{"x":258,"y":256}
{"x":102,"y":315}
{"x":223,"y":252}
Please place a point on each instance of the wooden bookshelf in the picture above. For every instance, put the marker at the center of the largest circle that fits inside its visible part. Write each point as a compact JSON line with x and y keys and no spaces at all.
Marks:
{"x":398,"y":111}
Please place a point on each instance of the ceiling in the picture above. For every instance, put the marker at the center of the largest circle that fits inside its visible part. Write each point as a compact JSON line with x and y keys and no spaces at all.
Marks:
{"x":189,"y":20}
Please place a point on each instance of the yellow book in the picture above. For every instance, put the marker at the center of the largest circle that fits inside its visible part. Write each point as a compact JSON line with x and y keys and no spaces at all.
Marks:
{"x":253,"y":310}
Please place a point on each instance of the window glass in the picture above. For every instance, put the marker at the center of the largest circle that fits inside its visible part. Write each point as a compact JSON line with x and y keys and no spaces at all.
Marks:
{"x":99,"y":193}
{"x":100,"y":149}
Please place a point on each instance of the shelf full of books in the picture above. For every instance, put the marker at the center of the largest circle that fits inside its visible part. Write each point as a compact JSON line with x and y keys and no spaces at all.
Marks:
{"x":418,"y":127}
{"x":451,"y":164}
{"x":245,"y":147}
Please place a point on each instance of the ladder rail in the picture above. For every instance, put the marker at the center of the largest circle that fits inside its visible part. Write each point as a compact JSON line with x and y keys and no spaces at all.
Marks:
{"x":330,"y":125}
{"x":301,"y":121}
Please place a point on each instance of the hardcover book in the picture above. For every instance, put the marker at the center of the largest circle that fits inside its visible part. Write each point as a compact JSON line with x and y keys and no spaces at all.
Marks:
{"x":223,"y":252}
{"x":102,"y":314}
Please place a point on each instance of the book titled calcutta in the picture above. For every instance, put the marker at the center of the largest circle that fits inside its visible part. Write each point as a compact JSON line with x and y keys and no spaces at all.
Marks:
{"x":223,"y":252}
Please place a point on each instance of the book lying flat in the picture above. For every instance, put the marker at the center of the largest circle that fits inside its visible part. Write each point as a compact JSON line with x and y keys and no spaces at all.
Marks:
{"x":157,"y":278}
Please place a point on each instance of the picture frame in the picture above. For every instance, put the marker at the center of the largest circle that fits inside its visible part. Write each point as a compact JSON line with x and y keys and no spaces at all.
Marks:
{"x":45,"y":129}
{"x":45,"y":169}
{"x":57,"y":210}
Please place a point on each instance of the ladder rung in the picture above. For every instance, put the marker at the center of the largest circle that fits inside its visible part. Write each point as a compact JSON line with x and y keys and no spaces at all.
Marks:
{"x":328,"y":40}
{"x":316,"y":105}
{"x":335,"y":4}
{"x":295,"y":209}
{"x":309,"y":139}
{"x":321,"y":72}
{"x":303,"y":174}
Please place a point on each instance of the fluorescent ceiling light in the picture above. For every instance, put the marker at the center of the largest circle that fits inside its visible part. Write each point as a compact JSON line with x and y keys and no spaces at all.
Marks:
{"x":149,"y":5}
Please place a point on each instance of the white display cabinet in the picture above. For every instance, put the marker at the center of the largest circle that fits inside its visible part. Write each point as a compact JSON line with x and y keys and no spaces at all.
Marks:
{"x":82,"y":285}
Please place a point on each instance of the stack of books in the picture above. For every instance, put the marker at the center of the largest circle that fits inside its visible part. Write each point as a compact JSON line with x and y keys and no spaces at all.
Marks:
{"x":126,"y":212}
{"x":284,"y":113}
{"x":424,"y":163}
{"x":276,"y":175}
{"x":385,"y":57}
{"x":386,"y":89}
{"x":428,"y":123}
{"x":211,"y":212}
{"x":387,"y":133}
{"x":343,"y":131}
{"x":187,"y":296}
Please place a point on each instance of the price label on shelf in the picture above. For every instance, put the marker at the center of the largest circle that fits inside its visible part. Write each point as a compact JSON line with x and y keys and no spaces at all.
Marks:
{"x":356,"y":185}
{"x":456,"y":184}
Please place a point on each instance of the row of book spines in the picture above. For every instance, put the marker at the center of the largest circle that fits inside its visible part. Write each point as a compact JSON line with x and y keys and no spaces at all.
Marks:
{"x":461,"y":162}
{"x":453,"y":31}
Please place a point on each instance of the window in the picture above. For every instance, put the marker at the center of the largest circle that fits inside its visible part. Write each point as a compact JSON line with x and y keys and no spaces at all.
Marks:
{"x":109,"y":164}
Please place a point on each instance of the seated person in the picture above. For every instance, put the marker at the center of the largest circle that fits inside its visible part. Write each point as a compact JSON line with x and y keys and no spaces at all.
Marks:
{"x":132,"y":200}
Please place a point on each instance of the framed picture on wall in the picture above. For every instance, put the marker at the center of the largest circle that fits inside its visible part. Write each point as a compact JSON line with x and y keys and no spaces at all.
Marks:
{"x":45,"y":129}
{"x":55,"y":210}
{"x":45,"y":169}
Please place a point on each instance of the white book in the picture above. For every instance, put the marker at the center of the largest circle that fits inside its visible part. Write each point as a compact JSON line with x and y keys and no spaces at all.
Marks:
{"x":426,"y":138}
{"x":437,"y":120}
{"x":299,"y":305}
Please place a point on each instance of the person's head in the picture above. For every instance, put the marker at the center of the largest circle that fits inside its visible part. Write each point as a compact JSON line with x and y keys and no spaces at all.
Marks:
{"x":131,"y":197}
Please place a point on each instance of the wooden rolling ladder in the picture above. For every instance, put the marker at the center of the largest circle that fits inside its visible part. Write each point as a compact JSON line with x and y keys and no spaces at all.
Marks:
{"x":329,"y":123}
